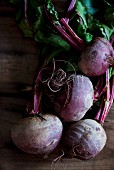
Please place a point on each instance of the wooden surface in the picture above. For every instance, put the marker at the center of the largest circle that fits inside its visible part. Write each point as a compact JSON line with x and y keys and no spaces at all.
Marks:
{"x":18,"y":63}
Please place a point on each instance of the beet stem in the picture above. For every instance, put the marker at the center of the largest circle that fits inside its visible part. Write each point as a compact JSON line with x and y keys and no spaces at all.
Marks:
{"x":25,"y":15}
{"x":37,"y":96}
{"x":77,"y":39}
{"x":70,"y":8}
{"x":25,"y":9}
{"x":108,"y":84}
{"x":112,"y":93}
{"x":103,"y":91}
{"x":107,"y":100}
{"x":35,"y":103}
{"x":98,"y":88}
{"x":66,"y":37}
{"x":97,"y":117}
{"x":112,"y":40}
{"x":61,"y":31}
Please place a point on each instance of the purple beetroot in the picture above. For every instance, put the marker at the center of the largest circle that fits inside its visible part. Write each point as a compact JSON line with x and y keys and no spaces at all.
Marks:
{"x":97,"y":57}
{"x":36,"y":135}
{"x":78,"y":101}
{"x":85,"y":139}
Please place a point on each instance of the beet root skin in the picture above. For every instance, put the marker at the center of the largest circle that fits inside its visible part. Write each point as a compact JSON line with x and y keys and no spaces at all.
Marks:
{"x":81,"y":99}
{"x":96,"y":57}
{"x":85,"y":139}
{"x":34,"y":135}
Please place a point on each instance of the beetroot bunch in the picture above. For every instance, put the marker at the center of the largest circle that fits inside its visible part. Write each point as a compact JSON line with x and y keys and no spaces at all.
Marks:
{"x":63,"y":101}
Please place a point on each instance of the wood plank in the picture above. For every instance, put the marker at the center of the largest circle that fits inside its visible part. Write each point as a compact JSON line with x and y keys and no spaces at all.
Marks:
{"x":18,"y":55}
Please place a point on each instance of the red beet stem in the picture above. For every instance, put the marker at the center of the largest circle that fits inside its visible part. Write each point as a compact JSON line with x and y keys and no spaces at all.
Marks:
{"x":104,"y":107}
{"x":25,"y":9}
{"x":36,"y":100}
{"x":112,"y":93}
{"x":66,"y":36}
{"x":97,"y":117}
{"x":103,"y":90}
{"x":25,"y":14}
{"x":37,"y":96}
{"x":98,"y":88}
{"x":70,"y":8}
{"x":77,"y":39}
{"x":112,"y":98}
{"x":107,"y":100}
{"x":112,"y":40}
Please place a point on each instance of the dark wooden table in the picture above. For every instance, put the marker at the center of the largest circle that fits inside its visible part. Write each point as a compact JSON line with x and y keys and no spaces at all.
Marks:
{"x":18,"y":63}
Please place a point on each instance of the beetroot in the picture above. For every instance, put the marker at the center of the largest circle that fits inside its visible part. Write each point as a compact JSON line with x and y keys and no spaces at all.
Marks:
{"x":85,"y":139}
{"x":80,"y":99}
{"x":35,"y":135}
{"x":96,"y":57}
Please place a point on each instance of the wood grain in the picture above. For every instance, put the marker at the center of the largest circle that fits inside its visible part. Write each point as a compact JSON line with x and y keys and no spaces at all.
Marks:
{"x":18,"y":63}
{"x":18,"y":55}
